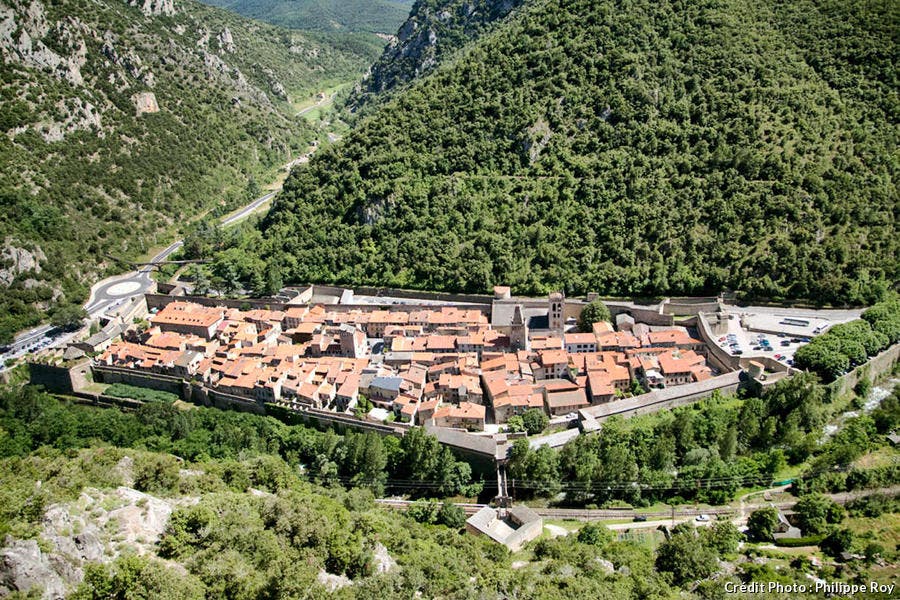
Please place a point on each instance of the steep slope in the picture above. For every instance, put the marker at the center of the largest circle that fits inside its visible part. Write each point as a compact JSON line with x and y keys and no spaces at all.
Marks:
{"x":644,"y":147}
{"x":121,"y":120}
{"x":371,"y":16}
{"x":434,"y":30}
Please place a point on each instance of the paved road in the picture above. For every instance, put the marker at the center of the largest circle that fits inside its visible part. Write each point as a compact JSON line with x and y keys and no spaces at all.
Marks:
{"x":110,"y":293}
{"x":245,"y":212}
{"x":316,"y":105}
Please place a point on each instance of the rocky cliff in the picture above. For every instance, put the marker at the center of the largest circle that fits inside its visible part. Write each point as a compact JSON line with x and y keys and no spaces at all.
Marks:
{"x":120,"y":116}
{"x":433,"y":31}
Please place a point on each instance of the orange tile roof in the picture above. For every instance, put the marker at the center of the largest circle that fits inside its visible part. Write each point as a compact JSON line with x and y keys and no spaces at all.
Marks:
{"x":553,"y":357}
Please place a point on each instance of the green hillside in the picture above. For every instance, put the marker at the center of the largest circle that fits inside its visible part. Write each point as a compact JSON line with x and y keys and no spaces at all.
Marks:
{"x":628,"y":148}
{"x":370,"y":16}
{"x":167,"y":502}
{"x":84,"y":176}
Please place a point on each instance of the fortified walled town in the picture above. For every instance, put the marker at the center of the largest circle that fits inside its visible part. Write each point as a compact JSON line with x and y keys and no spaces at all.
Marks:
{"x":463,"y":364}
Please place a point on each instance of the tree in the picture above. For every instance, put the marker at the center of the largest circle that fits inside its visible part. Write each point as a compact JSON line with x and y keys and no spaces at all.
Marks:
{"x":136,"y":577}
{"x":723,"y":537}
{"x":535,"y":421}
{"x":762,"y":522}
{"x":423,"y":511}
{"x":68,"y":317}
{"x":595,"y":535}
{"x":451,"y":515}
{"x":156,"y":474}
{"x":515,"y":424}
{"x":839,"y":540}
{"x":815,"y":512}
{"x":685,"y":557}
{"x":594,"y":312}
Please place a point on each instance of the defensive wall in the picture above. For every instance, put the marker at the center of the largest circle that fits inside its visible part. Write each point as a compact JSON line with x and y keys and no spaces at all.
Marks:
{"x":467,"y":444}
{"x":656,"y":400}
{"x":649,"y":314}
{"x":716,"y":355}
{"x":875,"y":367}
{"x":690,"y":306}
{"x":160,"y":301}
{"x":60,"y":379}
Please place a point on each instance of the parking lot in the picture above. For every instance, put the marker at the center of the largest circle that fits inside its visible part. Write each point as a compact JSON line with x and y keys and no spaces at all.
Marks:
{"x":739,"y":341}
{"x":776,"y":335}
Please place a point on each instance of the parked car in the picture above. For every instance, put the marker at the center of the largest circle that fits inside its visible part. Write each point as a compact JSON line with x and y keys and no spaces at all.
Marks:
{"x":702,"y":518}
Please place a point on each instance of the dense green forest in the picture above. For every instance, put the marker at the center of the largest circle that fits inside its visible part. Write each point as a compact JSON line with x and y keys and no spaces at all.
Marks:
{"x":708,"y":451}
{"x":627,"y":148}
{"x":261,"y":509}
{"x":83,"y":176}
{"x":370,"y":16}
{"x":849,"y":345}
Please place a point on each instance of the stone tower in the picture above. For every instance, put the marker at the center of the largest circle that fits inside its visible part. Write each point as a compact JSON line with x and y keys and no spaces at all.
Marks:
{"x":518,"y":331}
{"x":556,"y":316}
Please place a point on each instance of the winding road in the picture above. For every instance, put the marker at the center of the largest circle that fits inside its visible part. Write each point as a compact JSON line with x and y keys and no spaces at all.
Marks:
{"x":112,"y":292}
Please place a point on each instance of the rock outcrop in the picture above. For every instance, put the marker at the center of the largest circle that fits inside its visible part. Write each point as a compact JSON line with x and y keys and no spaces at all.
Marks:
{"x":427,"y":36}
{"x":145,"y":102}
{"x":226,"y":41}
{"x":97,"y":527}
{"x":153,"y":8}
{"x":15,"y":260}
{"x":21,"y":41}
{"x":24,"y":566}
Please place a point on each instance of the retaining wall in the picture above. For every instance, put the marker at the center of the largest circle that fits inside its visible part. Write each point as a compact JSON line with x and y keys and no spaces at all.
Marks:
{"x":875,"y":367}
{"x":716,"y":355}
{"x":665,"y":398}
{"x":690,"y":306}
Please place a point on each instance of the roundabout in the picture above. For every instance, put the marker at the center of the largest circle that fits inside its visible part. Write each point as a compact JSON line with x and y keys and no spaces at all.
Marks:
{"x":123,"y":288}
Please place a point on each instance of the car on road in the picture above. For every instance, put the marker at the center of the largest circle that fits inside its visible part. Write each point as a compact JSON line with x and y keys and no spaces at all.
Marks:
{"x":702,"y":518}
{"x":640,"y":518}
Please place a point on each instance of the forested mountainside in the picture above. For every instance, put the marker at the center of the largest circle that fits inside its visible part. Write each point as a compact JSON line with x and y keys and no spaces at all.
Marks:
{"x":370,"y":16}
{"x":434,"y":30}
{"x":120,"y":120}
{"x":191,"y":502}
{"x":634,"y":147}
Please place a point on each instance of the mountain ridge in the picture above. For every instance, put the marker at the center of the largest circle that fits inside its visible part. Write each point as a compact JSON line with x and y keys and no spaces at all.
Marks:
{"x":119,"y":119}
{"x":636,"y":149}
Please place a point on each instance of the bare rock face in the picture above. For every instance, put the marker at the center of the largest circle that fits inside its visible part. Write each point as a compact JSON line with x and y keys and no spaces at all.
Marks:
{"x":145,"y":102}
{"x":153,"y":8}
{"x":14,"y":261}
{"x":97,"y":527}
{"x":536,"y":138}
{"x":430,"y":33}
{"x":22,"y":31}
{"x":77,"y":114}
{"x":226,"y":42}
{"x":384,"y":562}
{"x":333,"y":582}
{"x":24,"y":566}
